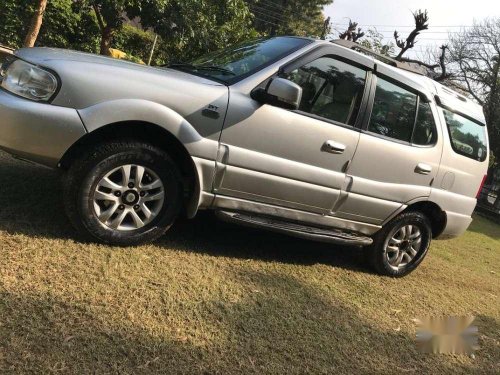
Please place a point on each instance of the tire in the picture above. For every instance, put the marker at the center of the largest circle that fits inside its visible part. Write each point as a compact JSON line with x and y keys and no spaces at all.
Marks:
{"x":155,"y":200}
{"x":397,"y":238}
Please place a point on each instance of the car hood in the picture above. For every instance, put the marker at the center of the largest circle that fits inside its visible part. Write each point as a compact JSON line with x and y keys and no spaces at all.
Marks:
{"x":48,"y":56}
{"x":88,"y":80}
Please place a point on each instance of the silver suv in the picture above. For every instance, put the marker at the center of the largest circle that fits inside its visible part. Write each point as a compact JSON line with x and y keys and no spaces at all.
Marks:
{"x":309,"y":138}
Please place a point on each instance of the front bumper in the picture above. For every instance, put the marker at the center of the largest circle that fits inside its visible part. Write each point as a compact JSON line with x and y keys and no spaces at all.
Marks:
{"x":38,"y":132}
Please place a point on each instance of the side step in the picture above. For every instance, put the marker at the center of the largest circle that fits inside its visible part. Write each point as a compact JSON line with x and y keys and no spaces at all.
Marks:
{"x":335,"y":236}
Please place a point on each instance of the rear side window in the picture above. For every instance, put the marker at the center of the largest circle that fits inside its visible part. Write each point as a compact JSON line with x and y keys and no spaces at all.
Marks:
{"x":393,"y":113}
{"x":468,"y":138}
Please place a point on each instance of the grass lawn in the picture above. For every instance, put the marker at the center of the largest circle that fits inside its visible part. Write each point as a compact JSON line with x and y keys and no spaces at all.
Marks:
{"x":215,"y":298}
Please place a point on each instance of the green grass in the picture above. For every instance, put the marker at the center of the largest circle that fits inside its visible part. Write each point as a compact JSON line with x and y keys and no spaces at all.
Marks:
{"x":216,"y":298}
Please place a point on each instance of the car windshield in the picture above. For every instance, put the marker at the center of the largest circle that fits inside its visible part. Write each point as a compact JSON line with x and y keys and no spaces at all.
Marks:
{"x":235,"y":63}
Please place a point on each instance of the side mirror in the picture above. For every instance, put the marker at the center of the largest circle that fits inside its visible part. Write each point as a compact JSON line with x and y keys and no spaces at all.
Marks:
{"x":279,"y":92}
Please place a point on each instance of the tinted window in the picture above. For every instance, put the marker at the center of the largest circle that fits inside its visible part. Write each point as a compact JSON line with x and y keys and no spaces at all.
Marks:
{"x":393,"y":113}
{"x":467,"y":137}
{"x":425,"y":128}
{"x":239,"y":61}
{"x":330,"y":88}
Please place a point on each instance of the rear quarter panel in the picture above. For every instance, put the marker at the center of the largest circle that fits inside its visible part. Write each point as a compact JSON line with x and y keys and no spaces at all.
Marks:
{"x":456,"y":185}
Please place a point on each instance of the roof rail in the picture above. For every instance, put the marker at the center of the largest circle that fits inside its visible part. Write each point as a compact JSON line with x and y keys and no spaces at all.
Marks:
{"x":386,"y":59}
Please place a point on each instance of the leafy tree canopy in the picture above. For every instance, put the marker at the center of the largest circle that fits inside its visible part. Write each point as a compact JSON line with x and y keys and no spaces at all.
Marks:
{"x":61,"y":26}
{"x":288,"y":17}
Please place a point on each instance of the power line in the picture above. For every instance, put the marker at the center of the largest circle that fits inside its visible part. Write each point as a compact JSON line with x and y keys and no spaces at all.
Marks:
{"x":266,"y":21}
{"x":267,"y":11}
{"x":423,"y":32}
{"x":267,"y":15}
{"x":278,"y":9}
{"x":264,"y":12}
{"x":366,"y":25}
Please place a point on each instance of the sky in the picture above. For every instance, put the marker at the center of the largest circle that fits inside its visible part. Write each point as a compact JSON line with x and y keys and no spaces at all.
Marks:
{"x":444,"y":16}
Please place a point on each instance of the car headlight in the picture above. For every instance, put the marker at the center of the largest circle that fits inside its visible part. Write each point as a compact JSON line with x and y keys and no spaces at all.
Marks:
{"x":29,"y":81}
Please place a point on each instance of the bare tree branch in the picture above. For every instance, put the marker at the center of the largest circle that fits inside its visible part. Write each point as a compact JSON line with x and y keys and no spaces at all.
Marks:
{"x":442,"y":64}
{"x":421,"y":19}
{"x":414,"y":61}
{"x":351,"y":33}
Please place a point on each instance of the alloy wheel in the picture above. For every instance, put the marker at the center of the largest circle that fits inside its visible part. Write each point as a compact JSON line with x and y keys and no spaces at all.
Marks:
{"x":403,"y":246}
{"x":128,"y":197}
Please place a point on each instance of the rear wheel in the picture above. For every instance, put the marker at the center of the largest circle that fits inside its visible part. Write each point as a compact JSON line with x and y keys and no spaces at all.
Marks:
{"x":401,"y":245}
{"x":123,"y":193}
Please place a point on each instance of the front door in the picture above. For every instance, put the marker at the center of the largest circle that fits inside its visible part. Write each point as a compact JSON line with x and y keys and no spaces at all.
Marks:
{"x":298,"y":158}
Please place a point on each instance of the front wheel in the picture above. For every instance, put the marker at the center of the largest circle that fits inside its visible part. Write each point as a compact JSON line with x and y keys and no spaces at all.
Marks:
{"x":123,"y":193}
{"x":401,"y":245}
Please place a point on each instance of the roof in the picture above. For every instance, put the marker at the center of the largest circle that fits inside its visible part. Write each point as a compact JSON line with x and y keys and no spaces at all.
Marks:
{"x":443,"y":95}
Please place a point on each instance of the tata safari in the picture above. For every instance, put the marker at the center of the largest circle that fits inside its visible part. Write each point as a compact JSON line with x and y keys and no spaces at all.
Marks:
{"x":321,"y":140}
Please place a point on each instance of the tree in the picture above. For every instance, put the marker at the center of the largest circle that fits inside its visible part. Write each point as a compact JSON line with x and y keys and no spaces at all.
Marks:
{"x":288,"y":17}
{"x":109,"y":15}
{"x":475,"y":62}
{"x":189,"y":28}
{"x":375,"y":41}
{"x":421,"y":23}
{"x":61,"y":26}
{"x":35,"y":24}
{"x":351,"y":34}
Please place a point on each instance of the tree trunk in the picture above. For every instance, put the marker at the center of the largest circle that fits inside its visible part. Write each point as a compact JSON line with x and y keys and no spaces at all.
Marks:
{"x":36,"y":23}
{"x":106,"y":40}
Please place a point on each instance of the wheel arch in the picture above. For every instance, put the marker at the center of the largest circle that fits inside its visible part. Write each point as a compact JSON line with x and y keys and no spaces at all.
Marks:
{"x":150,"y":133}
{"x":433,"y":212}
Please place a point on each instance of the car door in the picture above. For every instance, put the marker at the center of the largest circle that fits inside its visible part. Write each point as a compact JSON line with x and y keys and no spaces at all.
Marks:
{"x":399,"y":150}
{"x":294,"y":158}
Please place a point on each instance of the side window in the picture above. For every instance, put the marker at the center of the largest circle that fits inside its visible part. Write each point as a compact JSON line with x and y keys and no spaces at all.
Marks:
{"x":393,"y":113}
{"x":468,"y":138}
{"x":425,"y":133}
{"x":330,"y":88}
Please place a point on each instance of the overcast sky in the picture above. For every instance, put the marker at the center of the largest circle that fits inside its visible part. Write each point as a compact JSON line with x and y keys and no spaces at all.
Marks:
{"x":444,"y":16}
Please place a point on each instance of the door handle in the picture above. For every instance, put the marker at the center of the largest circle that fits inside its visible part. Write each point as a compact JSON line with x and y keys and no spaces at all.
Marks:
{"x":423,"y":168}
{"x":333,"y":147}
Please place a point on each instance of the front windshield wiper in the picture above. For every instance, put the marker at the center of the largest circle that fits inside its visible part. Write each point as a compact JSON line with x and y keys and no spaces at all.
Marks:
{"x":179,"y":65}
{"x":215,"y":68}
{"x":201,"y":67}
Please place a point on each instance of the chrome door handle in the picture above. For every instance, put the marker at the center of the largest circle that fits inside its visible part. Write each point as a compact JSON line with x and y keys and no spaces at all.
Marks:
{"x":333,"y":147}
{"x":423,"y":168}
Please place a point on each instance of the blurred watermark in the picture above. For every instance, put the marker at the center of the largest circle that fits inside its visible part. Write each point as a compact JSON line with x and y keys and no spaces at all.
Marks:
{"x":447,"y":335}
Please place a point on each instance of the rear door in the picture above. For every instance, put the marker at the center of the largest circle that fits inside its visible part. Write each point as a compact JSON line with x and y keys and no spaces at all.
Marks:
{"x":399,"y":150}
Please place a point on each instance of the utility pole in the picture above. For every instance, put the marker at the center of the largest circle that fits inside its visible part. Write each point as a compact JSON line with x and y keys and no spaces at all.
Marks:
{"x":152,"y":49}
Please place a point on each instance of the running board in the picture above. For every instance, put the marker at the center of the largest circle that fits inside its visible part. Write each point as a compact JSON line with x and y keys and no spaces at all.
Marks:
{"x":334,"y":236}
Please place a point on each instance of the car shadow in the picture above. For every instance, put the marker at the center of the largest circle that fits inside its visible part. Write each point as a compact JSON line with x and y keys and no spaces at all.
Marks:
{"x":208,"y":235}
{"x":31,"y":204}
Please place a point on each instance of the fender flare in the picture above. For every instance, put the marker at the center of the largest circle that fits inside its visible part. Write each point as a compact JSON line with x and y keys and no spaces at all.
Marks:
{"x":137,"y":110}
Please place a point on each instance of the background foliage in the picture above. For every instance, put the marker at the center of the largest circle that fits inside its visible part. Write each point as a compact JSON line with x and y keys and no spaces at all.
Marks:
{"x":186,"y":28}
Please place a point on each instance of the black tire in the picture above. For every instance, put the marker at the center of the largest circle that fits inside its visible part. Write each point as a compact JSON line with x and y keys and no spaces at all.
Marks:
{"x":80,"y":181}
{"x":377,"y":252}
